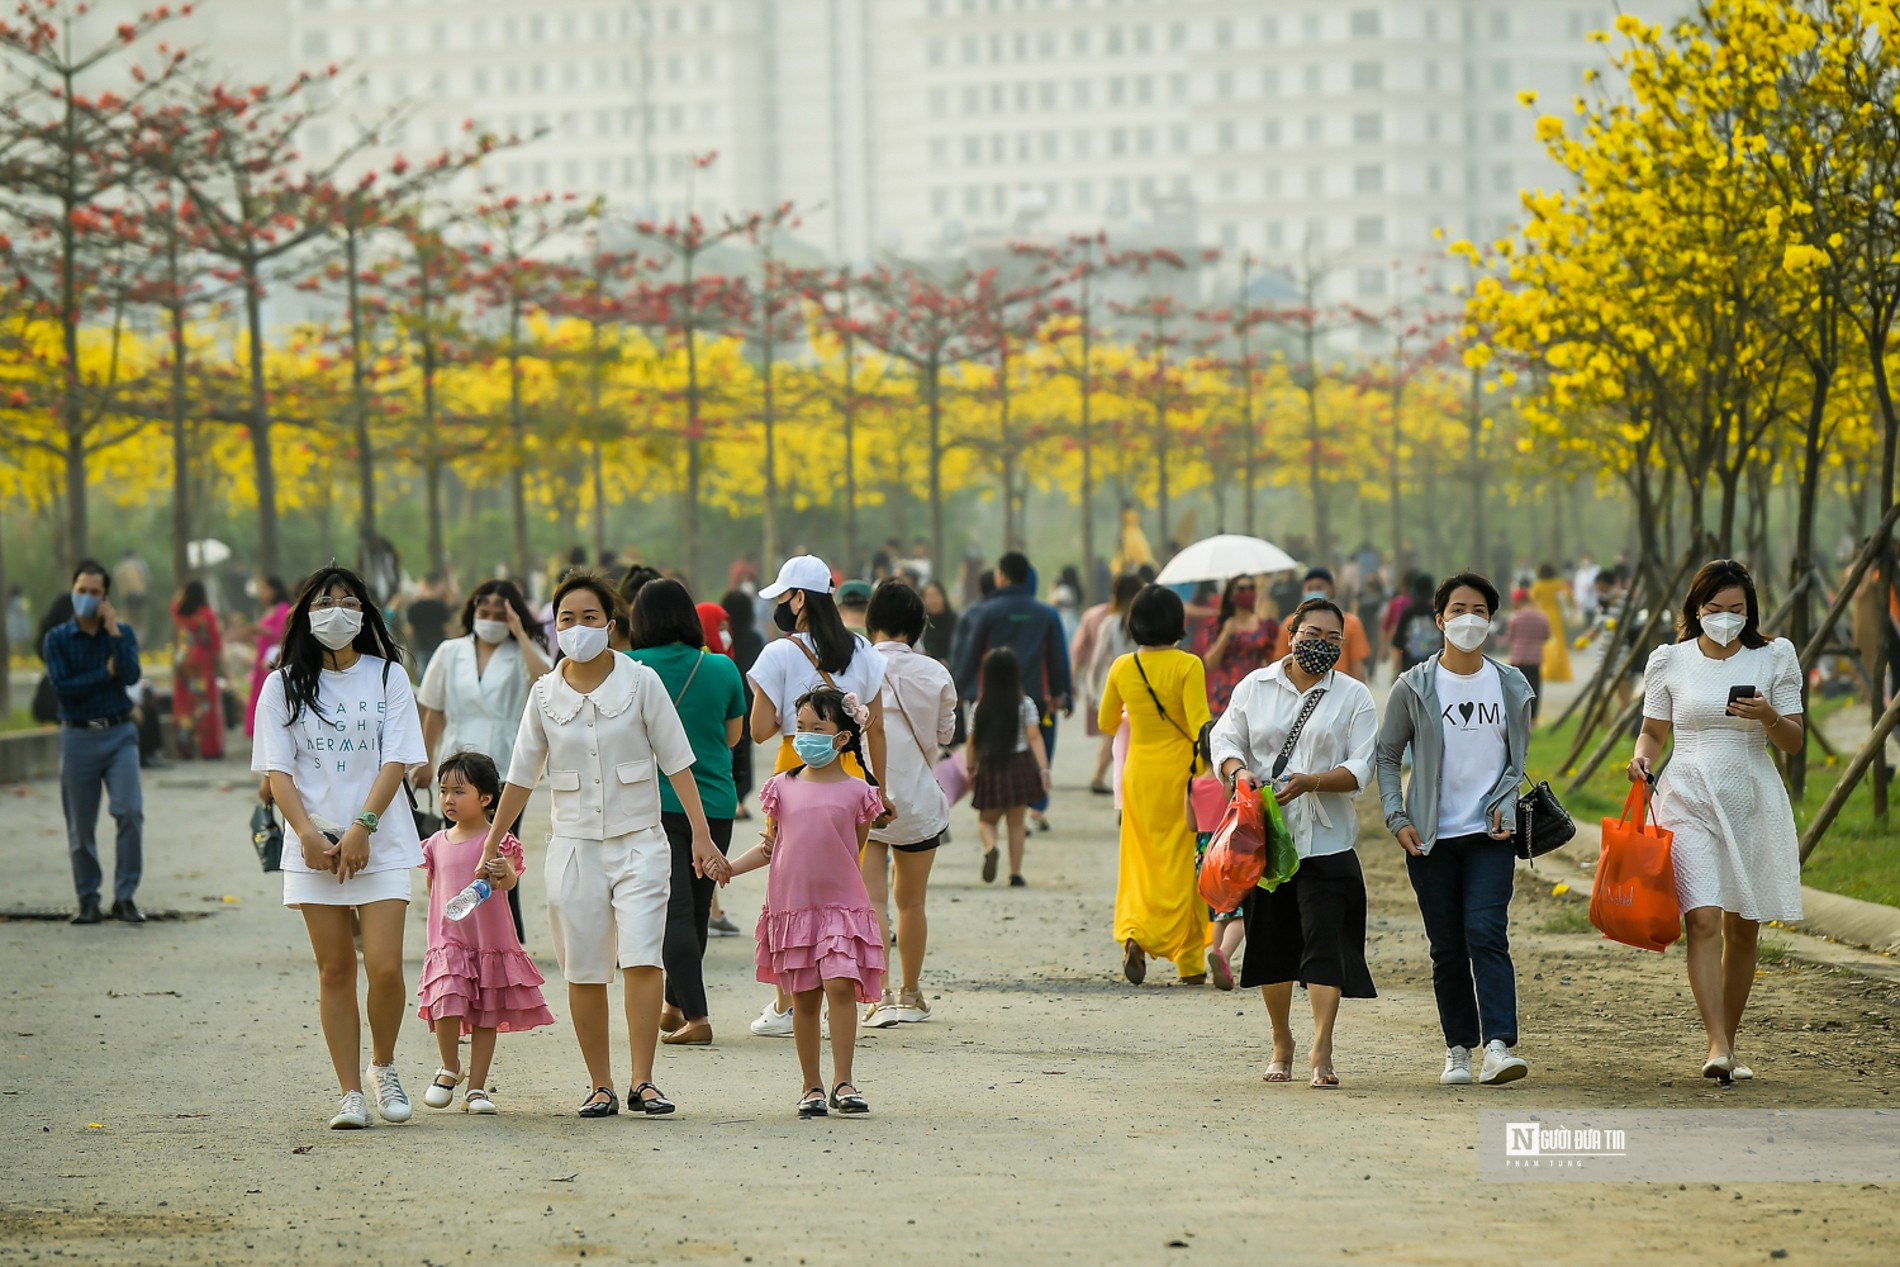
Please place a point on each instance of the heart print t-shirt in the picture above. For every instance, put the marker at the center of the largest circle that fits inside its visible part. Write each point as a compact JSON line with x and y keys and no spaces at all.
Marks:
{"x":1472,"y":713}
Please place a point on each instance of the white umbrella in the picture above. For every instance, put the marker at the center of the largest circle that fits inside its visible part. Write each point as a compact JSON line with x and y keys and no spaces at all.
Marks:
{"x":207,"y":553}
{"x":1223,"y":557}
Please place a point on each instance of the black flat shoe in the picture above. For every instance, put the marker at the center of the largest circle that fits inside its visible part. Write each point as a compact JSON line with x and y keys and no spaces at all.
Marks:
{"x":813,"y":1104}
{"x":89,"y":912}
{"x":597,"y":1107}
{"x":848,"y":1104}
{"x":1134,"y":963}
{"x":127,"y":912}
{"x":990,"y":860}
{"x":658,"y":1106}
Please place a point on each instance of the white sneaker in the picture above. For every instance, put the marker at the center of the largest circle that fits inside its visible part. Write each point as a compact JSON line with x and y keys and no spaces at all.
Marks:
{"x":911,"y":1011}
{"x":882,"y":1014}
{"x":352,"y":1114}
{"x":1457,"y":1068}
{"x":476,"y":1101}
{"x":1500,"y":1065}
{"x":439,"y":1096}
{"x":392,"y":1102}
{"x":772,"y":1023}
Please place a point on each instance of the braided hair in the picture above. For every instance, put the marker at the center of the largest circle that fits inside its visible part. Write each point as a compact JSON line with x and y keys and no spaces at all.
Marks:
{"x":828,"y":703}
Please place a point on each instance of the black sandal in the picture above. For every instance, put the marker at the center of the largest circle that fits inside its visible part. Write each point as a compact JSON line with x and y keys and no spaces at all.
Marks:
{"x":593,"y":1106}
{"x":848,"y":1104}
{"x":658,"y":1106}
{"x":813,"y":1104}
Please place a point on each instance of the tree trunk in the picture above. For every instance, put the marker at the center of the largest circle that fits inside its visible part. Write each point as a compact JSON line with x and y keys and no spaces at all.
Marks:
{"x":1088,"y":456}
{"x":935,"y":405}
{"x":181,"y":455}
{"x":768,"y":419}
{"x":1161,"y":471}
{"x":518,"y":473}
{"x":1803,"y":561}
{"x":6,"y":642}
{"x":1393,"y":477}
{"x":1884,"y":656}
{"x":1478,"y":488}
{"x":262,"y":462}
{"x":432,"y":461}
{"x":359,"y":405}
{"x":849,"y":347}
{"x":694,"y":457}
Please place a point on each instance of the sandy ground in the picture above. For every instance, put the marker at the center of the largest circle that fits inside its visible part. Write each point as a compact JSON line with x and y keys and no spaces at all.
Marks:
{"x":163,"y":1094}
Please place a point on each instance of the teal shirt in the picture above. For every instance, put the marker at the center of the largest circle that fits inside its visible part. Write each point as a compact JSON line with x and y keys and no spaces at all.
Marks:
{"x":716,"y":696}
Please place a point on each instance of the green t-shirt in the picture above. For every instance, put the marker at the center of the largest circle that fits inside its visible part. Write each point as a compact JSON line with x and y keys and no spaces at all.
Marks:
{"x":716,"y":696}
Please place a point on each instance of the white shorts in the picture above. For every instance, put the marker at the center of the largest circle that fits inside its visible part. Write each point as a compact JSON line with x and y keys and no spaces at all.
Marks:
{"x":607,"y":902}
{"x":319,"y":888}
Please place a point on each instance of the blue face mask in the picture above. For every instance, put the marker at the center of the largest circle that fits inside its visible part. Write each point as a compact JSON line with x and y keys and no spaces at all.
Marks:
{"x":85,"y":606}
{"x":1310,"y":595}
{"x":814,"y":749}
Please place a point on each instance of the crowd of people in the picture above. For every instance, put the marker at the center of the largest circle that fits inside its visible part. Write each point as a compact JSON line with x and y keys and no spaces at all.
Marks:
{"x":880,"y":704}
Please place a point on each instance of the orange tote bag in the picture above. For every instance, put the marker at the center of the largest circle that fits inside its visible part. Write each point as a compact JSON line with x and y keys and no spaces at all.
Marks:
{"x":1634,"y":898}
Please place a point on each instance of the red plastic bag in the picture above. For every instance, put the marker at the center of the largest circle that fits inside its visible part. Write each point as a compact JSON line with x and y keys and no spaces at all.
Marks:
{"x":1237,"y":856}
{"x":1634,"y":897}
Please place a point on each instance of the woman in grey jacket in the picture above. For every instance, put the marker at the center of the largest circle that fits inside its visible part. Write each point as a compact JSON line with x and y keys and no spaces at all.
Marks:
{"x":1467,"y":720}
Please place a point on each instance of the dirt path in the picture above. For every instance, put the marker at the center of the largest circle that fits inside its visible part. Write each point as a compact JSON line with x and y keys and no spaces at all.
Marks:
{"x":1050,"y":1113}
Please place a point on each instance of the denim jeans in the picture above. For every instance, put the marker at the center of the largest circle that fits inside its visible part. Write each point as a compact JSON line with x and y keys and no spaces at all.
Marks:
{"x":1464,"y":895}
{"x":88,"y":761}
{"x":1048,"y":727}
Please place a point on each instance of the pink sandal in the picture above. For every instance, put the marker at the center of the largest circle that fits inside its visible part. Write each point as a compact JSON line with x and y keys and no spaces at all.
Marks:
{"x":1220,"y":969}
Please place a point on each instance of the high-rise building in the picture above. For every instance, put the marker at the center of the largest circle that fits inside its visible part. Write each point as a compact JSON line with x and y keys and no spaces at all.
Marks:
{"x":1341,"y":133}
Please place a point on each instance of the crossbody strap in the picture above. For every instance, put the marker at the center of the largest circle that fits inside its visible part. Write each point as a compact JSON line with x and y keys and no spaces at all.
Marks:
{"x":1136,"y":656}
{"x":688,"y":683}
{"x":1293,"y":735}
{"x":814,"y":663}
{"x":929,"y":758}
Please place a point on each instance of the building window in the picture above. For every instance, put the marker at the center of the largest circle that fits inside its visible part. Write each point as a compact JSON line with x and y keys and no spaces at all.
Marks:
{"x":1272,"y":131}
{"x":1269,"y":30}
{"x":1178,"y":36}
{"x":937,"y":53}
{"x":972,"y":201}
{"x":1315,"y":129}
{"x":1050,"y":145}
{"x":1178,"y":88}
{"x":1144,"y":140}
{"x":1114,"y":39}
{"x":1435,"y":179}
{"x":969,"y":50}
{"x":1368,"y":126}
{"x":1229,"y":186}
{"x":1501,"y":126}
{"x":1228,"y":136}
{"x":1502,"y":181}
{"x":1118,"y":140}
{"x":1178,"y":138}
{"x":1368,"y":178}
{"x":999,"y":148}
{"x":1501,"y":76}
{"x":1117,"y":90}
{"x":1224,"y":85}
{"x":1144,"y":89}
{"x":1079,"y":94}
{"x":1046,"y":94}
{"x":1084,"y":195}
{"x":939,"y":102}
{"x":1368,"y":76}
{"x":1431,"y":74}
{"x":1276,"y":235}
{"x":1229,"y":236}
{"x":1270,"y":81}
{"x":1313,"y":78}
{"x":1144,"y":38}
{"x":1500,"y":25}
{"x":1365,"y":24}
{"x":1371,"y":283}
{"x":1309,"y":28}
{"x":1315,"y":183}
{"x":1079,"y":41}
{"x":972,"y":149}
{"x":939,"y":150}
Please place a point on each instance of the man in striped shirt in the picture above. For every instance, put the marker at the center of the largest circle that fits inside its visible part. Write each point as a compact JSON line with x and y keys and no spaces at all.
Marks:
{"x":91,"y":660}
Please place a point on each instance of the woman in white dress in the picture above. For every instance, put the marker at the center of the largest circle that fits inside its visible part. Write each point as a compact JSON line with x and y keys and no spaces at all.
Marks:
{"x":1726,"y":693}
{"x":476,"y":686}
{"x":336,"y":728}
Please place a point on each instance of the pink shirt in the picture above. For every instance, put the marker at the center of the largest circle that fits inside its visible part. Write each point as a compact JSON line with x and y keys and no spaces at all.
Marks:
{"x":1527,"y":632}
{"x":815,"y":862}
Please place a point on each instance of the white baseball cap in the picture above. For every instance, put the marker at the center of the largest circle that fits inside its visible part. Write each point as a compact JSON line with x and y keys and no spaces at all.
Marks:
{"x":802,"y":572}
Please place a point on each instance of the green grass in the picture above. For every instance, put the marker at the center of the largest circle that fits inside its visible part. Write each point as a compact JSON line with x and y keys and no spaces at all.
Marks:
{"x":20,"y":720}
{"x":1859,"y":857}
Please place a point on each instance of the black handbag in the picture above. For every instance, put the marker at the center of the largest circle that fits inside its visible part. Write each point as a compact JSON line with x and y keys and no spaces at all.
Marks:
{"x":267,"y":837}
{"x":1543,"y":824}
{"x":427,"y":825}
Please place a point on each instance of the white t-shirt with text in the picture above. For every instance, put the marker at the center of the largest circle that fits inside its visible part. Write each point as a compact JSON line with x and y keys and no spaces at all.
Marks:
{"x":1471,"y":710}
{"x":334,"y":751}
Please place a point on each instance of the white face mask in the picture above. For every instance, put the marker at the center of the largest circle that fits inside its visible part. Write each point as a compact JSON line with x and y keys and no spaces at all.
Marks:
{"x":336,"y":627}
{"x":1723,"y":627}
{"x":491,"y":630}
{"x":1467,"y":633}
{"x":582,"y":643}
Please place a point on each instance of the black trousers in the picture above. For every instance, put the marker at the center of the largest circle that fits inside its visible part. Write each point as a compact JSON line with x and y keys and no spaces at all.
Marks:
{"x":688,"y":914}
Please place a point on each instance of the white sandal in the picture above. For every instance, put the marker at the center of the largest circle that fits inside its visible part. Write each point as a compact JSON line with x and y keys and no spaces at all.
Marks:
{"x":439,"y":1096}
{"x":475,"y":1100}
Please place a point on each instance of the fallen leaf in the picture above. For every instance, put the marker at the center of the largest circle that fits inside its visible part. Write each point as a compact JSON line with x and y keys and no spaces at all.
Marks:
{"x":95,"y":1126}
{"x":301,"y":1149}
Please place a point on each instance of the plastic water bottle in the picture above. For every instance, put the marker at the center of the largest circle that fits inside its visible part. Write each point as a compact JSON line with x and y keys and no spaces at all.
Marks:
{"x":464,"y":903}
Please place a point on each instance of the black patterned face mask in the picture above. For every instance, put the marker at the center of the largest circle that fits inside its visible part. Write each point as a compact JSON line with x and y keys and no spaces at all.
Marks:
{"x":1315,"y":655}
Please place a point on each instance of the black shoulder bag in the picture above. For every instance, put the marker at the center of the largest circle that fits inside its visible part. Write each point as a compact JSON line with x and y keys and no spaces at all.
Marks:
{"x":1543,"y":824}
{"x":1202,"y":755}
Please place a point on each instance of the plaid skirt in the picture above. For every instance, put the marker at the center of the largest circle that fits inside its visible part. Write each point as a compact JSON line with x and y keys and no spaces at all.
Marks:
{"x":1010,"y":784}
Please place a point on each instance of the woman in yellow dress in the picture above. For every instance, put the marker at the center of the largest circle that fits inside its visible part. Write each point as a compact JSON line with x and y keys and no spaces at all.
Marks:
{"x":1551,"y":594}
{"x":1158,"y":910}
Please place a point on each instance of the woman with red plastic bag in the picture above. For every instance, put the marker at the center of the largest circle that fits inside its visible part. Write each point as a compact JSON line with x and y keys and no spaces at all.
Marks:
{"x":1304,"y":732}
{"x":1726,"y":693}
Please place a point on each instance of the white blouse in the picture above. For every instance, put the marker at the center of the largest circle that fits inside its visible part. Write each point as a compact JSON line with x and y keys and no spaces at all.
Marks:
{"x":1341,"y":732}
{"x":918,"y":693}
{"x":604,"y":751}
{"x":481,"y":710}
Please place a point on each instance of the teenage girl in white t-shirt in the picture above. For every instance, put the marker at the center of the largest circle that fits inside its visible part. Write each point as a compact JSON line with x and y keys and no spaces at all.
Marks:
{"x":815,"y":650}
{"x":336,"y":729}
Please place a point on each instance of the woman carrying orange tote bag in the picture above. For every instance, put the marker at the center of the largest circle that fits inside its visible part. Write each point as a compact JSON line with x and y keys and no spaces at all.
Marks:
{"x":1634,"y":898}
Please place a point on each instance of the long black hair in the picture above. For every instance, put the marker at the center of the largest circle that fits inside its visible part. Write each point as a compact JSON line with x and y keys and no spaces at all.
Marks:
{"x":1712,"y":578}
{"x":301,"y":656}
{"x":511,"y":594}
{"x":1227,"y":598}
{"x":828,"y":703}
{"x":998,"y":723}
{"x":831,"y":641}
{"x":191,"y":598}
{"x":663,"y":614}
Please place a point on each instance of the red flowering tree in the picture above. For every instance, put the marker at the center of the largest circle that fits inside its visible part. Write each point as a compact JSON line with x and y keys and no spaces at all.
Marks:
{"x":1004,"y":321}
{"x":68,"y":163}
{"x":1158,"y":379}
{"x":1235,"y":346}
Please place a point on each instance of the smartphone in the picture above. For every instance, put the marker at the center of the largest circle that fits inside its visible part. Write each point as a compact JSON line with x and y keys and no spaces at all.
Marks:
{"x":1741,"y":692}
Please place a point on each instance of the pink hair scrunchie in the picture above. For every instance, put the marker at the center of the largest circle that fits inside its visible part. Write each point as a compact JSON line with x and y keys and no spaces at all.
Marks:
{"x":856,"y":709}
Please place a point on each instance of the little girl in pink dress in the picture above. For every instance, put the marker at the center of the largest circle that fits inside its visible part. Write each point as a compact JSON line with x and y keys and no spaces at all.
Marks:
{"x":476,"y":976}
{"x":818,"y":937}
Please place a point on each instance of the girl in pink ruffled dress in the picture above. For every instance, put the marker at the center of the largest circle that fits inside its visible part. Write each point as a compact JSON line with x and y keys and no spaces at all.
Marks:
{"x":818,"y":937}
{"x":476,"y":977}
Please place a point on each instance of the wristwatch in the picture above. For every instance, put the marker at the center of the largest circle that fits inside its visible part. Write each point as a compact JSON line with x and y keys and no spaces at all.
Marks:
{"x":368,"y":820}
